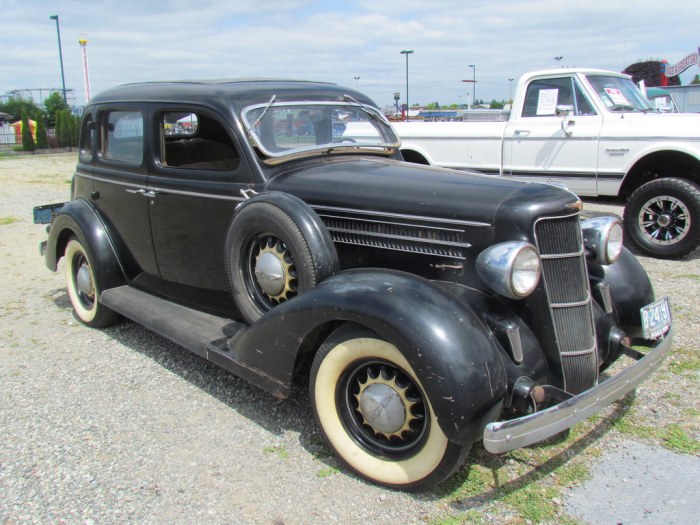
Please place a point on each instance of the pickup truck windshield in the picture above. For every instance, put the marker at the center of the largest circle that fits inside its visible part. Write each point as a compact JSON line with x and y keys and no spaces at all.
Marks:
{"x":619,"y":94}
{"x":289,"y":128}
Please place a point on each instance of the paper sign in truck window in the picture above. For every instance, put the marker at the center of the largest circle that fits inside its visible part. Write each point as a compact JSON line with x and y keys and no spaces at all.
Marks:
{"x":547,"y":102}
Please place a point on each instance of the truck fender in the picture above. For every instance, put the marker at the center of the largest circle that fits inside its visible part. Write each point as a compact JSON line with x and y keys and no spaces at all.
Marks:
{"x":453,"y":353}
{"x":78,"y":218}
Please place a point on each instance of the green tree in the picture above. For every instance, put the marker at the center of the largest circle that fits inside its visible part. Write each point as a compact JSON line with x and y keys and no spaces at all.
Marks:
{"x":696,"y":80}
{"x":27,"y":139}
{"x":42,"y":140}
{"x":495,"y":104}
{"x":53,"y":104}
{"x":15,"y":107}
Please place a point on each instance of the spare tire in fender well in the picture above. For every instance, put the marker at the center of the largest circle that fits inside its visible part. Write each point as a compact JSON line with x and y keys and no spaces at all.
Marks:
{"x":276,"y":243}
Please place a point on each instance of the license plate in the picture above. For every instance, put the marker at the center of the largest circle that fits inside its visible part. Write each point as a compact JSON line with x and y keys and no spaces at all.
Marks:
{"x":656,"y":318}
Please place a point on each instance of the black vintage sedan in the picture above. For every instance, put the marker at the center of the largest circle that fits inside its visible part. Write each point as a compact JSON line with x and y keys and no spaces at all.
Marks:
{"x":267,"y":224}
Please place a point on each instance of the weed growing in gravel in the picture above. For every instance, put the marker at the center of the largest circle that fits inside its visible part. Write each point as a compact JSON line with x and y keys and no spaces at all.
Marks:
{"x":279,"y":451}
{"x":675,"y":438}
{"x":326,"y":472}
{"x":683,"y":360}
{"x":8,"y":220}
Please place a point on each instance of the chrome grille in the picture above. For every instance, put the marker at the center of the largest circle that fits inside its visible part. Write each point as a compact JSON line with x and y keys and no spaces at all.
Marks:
{"x":405,"y":237}
{"x":560,"y":243}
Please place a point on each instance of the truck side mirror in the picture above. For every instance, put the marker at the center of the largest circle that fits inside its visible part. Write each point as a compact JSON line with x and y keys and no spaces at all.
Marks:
{"x":566,"y":111}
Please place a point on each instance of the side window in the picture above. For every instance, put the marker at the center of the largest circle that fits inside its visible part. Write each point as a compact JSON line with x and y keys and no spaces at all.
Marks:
{"x":191,"y":140}
{"x":122,"y":137}
{"x":87,"y":138}
{"x":583,"y":105}
{"x":543,"y":96}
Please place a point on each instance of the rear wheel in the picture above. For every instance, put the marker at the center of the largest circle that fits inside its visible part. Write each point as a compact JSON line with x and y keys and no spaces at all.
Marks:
{"x":375,"y":414}
{"x":82,"y":288}
{"x":662,"y":218}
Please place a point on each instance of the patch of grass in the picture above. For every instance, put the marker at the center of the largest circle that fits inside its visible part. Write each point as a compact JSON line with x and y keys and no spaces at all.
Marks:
{"x":571,"y":474}
{"x":683,"y":360}
{"x":279,"y":451}
{"x":693,"y":276}
{"x":8,"y":220}
{"x":327,"y":472}
{"x":675,"y":438}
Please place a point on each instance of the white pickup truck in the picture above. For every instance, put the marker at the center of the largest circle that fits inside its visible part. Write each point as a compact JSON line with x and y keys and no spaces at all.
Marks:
{"x":594,"y":132}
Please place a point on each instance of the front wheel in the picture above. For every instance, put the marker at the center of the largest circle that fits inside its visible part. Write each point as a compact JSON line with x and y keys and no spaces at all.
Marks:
{"x":82,"y":289}
{"x":375,"y":414}
{"x":662,"y":218}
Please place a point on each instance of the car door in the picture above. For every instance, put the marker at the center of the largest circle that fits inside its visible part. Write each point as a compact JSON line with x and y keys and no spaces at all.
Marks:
{"x":196,"y":174}
{"x":555,"y":138}
{"x":119,"y":177}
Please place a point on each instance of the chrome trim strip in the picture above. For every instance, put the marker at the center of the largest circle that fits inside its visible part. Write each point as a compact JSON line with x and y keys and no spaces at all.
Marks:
{"x":165,"y":191}
{"x":316,"y":208}
{"x":402,"y":250}
{"x":406,"y":238}
{"x":346,"y":218}
{"x":109,"y":181}
{"x":516,"y":344}
{"x":504,"y":436}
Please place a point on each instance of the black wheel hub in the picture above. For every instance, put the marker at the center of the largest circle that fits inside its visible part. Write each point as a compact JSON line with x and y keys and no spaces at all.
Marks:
{"x":664,"y":220}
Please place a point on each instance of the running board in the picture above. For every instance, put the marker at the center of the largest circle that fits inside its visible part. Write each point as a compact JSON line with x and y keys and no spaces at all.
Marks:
{"x":207,"y":335}
{"x":185,"y":326}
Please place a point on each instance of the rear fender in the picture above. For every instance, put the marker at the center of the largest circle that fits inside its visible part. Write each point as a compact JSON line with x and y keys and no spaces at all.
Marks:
{"x":79,"y":219}
{"x":453,"y":353}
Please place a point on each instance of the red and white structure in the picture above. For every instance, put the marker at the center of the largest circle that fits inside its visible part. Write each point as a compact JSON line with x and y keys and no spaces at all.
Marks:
{"x":86,"y":72}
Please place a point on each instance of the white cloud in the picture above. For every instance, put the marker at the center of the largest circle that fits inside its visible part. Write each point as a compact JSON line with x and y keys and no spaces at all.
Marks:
{"x":335,"y":41}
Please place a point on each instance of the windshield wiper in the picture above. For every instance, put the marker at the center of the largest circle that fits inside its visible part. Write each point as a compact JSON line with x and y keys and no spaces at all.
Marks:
{"x":624,"y":107}
{"x":257,"y":121}
{"x":373,"y":115}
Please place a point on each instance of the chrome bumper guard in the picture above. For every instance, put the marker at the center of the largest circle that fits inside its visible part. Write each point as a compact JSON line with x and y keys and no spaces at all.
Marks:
{"x":504,"y":436}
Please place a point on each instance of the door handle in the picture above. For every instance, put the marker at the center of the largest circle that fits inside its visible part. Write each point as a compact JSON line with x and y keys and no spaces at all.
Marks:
{"x":521,"y":132}
{"x":146,"y":193}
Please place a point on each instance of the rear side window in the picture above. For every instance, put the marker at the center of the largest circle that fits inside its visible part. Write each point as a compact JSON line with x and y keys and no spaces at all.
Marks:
{"x":122,"y":137}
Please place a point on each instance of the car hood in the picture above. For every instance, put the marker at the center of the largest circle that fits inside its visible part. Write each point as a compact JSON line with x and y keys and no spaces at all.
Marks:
{"x":395,"y":187}
{"x":654,"y":125}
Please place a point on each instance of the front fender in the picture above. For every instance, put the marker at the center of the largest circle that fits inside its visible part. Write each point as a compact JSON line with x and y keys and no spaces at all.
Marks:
{"x":454,"y":355}
{"x":79,"y":219}
{"x":630,"y":289}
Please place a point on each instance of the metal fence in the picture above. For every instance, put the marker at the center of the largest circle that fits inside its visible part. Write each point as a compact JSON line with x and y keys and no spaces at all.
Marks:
{"x":11,"y":144}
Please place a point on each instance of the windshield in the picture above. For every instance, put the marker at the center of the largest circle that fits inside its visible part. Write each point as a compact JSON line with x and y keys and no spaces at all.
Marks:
{"x":619,"y":94}
{"x":286,"y":128}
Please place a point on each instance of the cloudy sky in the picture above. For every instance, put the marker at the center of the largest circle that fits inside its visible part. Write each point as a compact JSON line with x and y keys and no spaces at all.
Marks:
{"x":336,"y":41}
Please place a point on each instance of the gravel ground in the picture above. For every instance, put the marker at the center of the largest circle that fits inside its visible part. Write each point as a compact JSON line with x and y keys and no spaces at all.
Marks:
{"x":122,"y":426}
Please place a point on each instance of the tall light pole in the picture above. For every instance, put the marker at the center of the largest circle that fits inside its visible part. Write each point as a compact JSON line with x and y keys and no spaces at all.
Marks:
{"x":510,"y":90}
{"x":558,"y":59}
{"x":407,"y":52}
{"x":357,"y":83}
{"x":60,"y":56}
{"x":474,"y":86}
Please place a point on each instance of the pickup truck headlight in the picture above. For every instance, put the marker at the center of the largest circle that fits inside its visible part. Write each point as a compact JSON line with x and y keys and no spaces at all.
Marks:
{"x":511,"y":269}
{"x":602,"y":236}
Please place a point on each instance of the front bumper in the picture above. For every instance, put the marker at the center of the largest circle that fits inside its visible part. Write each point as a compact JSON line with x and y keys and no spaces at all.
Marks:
{"x":503,"y":436}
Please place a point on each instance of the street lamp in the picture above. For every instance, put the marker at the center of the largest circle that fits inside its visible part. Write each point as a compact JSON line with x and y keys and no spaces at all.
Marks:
{"x":510,"y":90}
{"x":357,"y":83}
{"x":407,"y":52}
{"x":558,"y":59}
{"x":60,"y":56}
{"x":468,"y":82}
{"x":474,"y":86}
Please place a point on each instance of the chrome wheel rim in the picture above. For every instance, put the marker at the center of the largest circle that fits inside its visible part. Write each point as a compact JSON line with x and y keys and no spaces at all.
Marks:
{"x":664,"y":220}
{"x":83,"y":282}
{"x":383,"y":410}
{"x":272,"y":270}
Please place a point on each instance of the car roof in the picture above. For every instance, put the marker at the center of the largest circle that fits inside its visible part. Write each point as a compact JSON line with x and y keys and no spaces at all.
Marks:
{"x":231,"y":93}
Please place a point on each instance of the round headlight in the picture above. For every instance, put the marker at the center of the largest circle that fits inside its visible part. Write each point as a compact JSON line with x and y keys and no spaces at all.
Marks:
{"x":511,"y":269}
{"x":614,"y":244}
{"x":602,"y":237}
{"x":526,"y":271}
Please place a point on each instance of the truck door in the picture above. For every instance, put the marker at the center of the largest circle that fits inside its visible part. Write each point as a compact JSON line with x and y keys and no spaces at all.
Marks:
{"x":555,"y":137}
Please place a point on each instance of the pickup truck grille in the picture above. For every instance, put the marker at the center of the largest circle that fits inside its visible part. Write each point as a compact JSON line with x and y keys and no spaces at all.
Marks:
{"x":560,"y":243}
{"x":400,"y":236}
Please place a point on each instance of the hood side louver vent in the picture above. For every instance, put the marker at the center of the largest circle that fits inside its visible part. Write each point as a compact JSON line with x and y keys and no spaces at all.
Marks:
{"x":394,"y":235}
